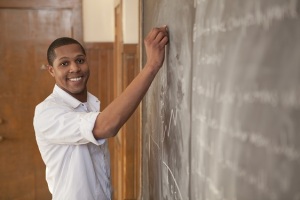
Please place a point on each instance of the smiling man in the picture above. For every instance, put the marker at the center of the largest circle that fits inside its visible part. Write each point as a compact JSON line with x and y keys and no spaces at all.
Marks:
{"x":70,"y":130}
{"x":69,"y":67}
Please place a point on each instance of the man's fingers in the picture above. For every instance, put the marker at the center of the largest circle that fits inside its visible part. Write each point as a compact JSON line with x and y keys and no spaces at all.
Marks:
{"x":157,"y":34}
{"x":160,"y":36}
{"x":165,"y":41}
{"x":152,"y":34}
{"x":161,"y":33}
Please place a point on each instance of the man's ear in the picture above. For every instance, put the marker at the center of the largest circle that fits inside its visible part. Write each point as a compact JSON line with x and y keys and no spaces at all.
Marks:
{"x":51,"y":70}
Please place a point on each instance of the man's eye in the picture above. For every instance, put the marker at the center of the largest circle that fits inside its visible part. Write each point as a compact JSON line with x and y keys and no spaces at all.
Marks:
{"x":64,"y":64}
{"x":80,"y":61}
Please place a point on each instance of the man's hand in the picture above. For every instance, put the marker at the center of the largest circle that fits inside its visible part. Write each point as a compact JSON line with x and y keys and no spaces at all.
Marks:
{"x":155,"y":44}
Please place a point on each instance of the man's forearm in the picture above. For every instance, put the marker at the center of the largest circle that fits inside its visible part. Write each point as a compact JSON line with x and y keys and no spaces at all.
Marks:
{"x":118,"y":112}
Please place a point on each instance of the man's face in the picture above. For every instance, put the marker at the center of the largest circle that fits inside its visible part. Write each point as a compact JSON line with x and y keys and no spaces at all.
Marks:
{"x":70,"y":70}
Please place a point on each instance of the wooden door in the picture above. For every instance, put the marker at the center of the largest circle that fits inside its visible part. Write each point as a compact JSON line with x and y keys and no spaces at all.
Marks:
{"x":27,"y":28}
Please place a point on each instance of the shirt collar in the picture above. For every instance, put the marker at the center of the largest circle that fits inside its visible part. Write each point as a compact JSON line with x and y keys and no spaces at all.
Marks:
{"x":73,"y":101}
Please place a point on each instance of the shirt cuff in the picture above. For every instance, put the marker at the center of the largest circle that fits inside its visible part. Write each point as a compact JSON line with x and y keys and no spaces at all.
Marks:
{"x":87,"y":122}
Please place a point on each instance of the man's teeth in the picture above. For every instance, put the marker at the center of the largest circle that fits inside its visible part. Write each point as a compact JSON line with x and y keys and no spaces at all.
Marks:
{"x":75,"y":79}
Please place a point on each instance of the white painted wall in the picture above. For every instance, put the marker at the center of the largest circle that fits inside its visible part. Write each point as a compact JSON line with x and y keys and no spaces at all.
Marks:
{"x":99,"y":19}
{"x":130,"y":21}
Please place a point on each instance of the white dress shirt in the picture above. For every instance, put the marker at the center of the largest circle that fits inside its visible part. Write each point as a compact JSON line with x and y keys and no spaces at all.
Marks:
{"x":77,"y":165}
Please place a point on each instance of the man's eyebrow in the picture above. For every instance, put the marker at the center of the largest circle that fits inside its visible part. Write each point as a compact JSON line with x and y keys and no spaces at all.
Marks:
{"x":62,"y":58}
{"x":79,"y":55}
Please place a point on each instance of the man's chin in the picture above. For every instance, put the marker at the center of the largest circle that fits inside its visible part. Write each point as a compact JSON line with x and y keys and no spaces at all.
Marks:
{"x":76,"y":91}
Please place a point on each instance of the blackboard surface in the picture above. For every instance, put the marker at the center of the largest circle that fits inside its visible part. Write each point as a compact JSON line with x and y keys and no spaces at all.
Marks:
{"x":221,"y":121}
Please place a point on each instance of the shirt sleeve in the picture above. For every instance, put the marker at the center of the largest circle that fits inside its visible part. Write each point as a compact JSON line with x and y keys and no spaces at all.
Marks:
{"x":59,"y":124}
{"x":87,"y":123}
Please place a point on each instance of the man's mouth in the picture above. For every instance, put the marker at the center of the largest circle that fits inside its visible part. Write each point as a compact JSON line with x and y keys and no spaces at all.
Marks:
{"x":75,"y":79}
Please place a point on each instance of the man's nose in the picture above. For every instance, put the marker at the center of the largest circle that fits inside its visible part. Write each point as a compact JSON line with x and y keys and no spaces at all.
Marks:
{"x":74,"y":67}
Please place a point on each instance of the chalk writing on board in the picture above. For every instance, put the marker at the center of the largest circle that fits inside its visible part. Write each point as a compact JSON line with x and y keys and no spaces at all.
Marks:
{"x":208,"y":59}
{"x":254,"y":138}
{"x":256,"y":181}
{"x":157,"y":145}
{"x":218,"y":194}
{"x":166,"y":133}
{"x":211,"y":89}
{"x":170,"y":171}
{"x":263,"y":18}
{"x":172,"y":120}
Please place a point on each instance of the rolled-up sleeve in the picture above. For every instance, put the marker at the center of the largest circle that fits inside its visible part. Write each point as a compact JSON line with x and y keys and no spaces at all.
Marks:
{"x":87,"y":123}
{"x":60,"y":125}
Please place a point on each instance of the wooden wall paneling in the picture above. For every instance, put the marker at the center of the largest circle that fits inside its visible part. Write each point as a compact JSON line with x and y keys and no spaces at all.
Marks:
{"x":93,"y":62}
{"x":131,"y":129}
{"x":101,"y":61}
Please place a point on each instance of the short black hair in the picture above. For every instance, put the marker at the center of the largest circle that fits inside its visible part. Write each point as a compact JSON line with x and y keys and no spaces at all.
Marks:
{"x":58,"y":43}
